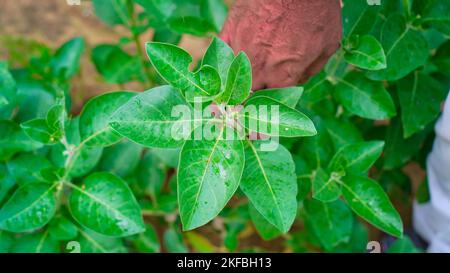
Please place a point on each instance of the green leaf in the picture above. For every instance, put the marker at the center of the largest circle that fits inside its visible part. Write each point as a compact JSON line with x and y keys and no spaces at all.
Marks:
{"x":358,"y":240}
{"x":29,"y":208}
{"x":27,"y":168}
{"x":147,"y":242}
{"x":121,"y":159}
{"x":172,"y":64}
{"x":85,"y":157}
{"x":191,"y":25}
{"x":209,"y":79}
{"x":365,"y":98}
{"x":6,"y":241}
{"x":173,"y":242}
{"x":406,"y":49}
{"x":14,"y":140}
{"x":366,"y":52}
{"x":367,"y":199}
{"x":91,"y":242}
{"x":398,"y":149}
{"x":7,"y":182}
{"x":325,"y":186}
{"x":61,"y":228}
{"x":66,"y":60}
{"x":437,"y":14}
{"x":215,"y":11}
{"x":266,"y":230}
{"x":106,"y":205}
{"x":150,"y":175}
{"x":199,"y":243}
{"x":270,"y":182}
{"x":220,"y":56}
{"x":357,"y":158}
{"x":270,"y":117}
{"x":316,"y":89}
{"x":112,"y":12}
{"x":36,"y":243}
{"x":342,"y":132}
{"x":38,"y":130}
{"x":208,"y":175}
{"x":289,"y":96}
{"x":115,"y":65}
{"x":94,"y":119}
{"x":149,"y":118}
{"x":403,"y":245}
{"x":8,"y":89}
{"x":332,"y":223}
{"x":239,"y":81}
{"x":420,"y":99}
{"x":442,"y":58}
{"x":358,"y":17}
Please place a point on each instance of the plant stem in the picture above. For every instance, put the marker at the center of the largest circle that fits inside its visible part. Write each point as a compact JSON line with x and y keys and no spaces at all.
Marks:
{"x":136,"y":38}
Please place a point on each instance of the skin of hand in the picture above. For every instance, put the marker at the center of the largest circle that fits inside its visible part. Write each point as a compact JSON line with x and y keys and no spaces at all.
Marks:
{"x":287,"y":41}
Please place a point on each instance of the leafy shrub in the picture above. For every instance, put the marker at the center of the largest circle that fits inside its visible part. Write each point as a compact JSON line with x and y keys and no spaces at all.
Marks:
{"x":346,"y":137}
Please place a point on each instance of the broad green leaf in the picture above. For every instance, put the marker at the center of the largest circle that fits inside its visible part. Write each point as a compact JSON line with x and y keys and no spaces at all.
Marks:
{"x":366,"y":52}
{"x":215,"y":11}
{"x":6,"y":241}
{"x":38,"y":130}
{"x":121,"y":159}
{"x":325,"y":186}
{"x":342,"y":132}
{"x":358,"y":17}
{"x":35,"y":99}
{"x":367,"y":199}
{"x":91,"y":242}
{"x":27,"y":168}
{"x":61,"y":228}
{"x":220,"y":56}
{"x":169,"y":157}
{"x":268,"y":116}
{"x":173,"y":242}
{"x":152,"y":118}
{"x":208,"y":175}
{"x":112,"y":12}
{"x":317,"y":150}
{"x":36,"y":243}
{"x":94,"y":119}
{"x":85,"y":157}
{"x":150,"y":175}
{"x":270,"y":182}
{"x":403,"y":245}
{"x":191,"y":25}
{"x":164,"y":35}
{"x":364,"y":98}
{"x":115,"y":65}
{"x":332,"y":223}
{"x":14,"y":140}
{"x":289,"y":96}
{"x":266,"y":230}
{"x":358,"y":240}
{"x":316,"y":89}
{"x":239,"y":81}
{"x":66,"y":60}
{"x":7,"y":182}
{"x":147,"y":242}
{"x":199,"y":243}
{"x":437,"y":14}
{"x":398,"y":149}
{"x":357,"y":158}
{"x":442,"y":58}
{"x":406,"y":49}
{"x":420,"y":99}
{"x":8,"y":94}
{"x":29,"y":208}
{"x":105,"y":204}
{"x":172,"y":64}
{"x":209,"y":79}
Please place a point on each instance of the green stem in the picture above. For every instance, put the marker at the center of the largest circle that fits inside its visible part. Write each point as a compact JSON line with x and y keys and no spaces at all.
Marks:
{"x":136,"y":38}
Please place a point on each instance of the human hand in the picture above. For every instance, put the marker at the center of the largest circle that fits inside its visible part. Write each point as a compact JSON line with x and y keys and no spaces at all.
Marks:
{"x":287,"y":41}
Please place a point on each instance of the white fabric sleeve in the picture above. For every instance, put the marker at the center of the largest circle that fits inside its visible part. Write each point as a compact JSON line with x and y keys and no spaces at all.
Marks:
{"x":432,"y":220}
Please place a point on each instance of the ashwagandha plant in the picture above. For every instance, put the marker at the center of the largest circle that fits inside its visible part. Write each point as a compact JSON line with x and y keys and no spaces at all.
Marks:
{"x":203,"y":146}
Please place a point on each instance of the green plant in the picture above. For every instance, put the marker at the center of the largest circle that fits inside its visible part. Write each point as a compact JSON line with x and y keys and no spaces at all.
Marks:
{"x":127,"y":157}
